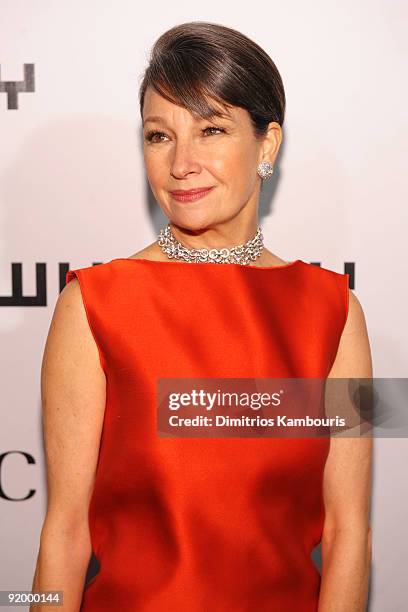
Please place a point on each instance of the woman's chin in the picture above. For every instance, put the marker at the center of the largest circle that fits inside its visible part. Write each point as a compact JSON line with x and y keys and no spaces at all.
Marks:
{"x":192,"y":220}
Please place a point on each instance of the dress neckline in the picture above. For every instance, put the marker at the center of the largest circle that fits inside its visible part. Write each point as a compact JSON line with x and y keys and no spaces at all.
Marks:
{"x":291,"y":264}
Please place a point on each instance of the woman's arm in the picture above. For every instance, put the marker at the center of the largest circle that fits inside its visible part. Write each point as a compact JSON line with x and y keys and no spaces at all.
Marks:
{"x":346,"y":541}
{"x":73,"y":391}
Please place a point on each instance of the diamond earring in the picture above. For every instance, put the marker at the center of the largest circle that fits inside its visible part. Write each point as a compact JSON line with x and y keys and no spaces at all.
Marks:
{"x":265,"y":170}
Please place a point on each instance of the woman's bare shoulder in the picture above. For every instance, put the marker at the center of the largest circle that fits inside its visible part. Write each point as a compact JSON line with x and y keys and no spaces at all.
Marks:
{"x":270,"y":259}
{"x":151,"y":251}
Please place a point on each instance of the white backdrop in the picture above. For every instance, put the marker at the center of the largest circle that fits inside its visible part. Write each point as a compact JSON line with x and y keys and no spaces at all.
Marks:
{"x":73,"y":190}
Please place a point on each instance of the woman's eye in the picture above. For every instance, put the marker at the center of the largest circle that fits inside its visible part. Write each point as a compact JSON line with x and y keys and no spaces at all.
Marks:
{"x":214,"y":128}
{"x":151,"y":135}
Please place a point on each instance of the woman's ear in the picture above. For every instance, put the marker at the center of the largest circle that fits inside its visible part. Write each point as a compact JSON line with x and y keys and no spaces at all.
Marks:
{"x":271,"y":142}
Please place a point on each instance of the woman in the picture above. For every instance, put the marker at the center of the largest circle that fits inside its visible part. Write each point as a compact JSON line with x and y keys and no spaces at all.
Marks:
{"x":198,"y":524}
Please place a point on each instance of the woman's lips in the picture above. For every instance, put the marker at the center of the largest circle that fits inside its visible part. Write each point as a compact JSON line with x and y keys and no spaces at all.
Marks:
{"x":190,"y":196}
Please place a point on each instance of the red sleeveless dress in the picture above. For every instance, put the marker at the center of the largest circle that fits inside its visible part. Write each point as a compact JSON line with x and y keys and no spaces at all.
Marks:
{"x":206,"y":524}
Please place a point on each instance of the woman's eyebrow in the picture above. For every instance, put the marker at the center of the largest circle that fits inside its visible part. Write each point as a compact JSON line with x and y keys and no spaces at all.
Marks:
{"x":225,"y":116}
{"x":158,"y":118}
{"x":153,"y":118}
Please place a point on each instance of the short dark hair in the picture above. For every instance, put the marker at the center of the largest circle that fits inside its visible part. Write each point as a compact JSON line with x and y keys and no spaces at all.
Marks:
{"x":195,"y":61}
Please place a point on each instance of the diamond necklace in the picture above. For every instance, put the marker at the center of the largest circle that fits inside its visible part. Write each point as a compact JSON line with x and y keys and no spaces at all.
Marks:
{"x":242,"y":254}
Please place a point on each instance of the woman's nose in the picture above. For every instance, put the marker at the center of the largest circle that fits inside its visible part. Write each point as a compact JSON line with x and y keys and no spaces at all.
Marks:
{"x":184,"y":160}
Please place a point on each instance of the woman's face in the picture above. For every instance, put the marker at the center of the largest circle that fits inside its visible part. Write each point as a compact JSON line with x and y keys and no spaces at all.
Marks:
{"x":183,"y":152}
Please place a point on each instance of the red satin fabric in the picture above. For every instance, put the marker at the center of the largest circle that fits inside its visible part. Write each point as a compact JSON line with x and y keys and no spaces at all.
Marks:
{"x":194,"y":524}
